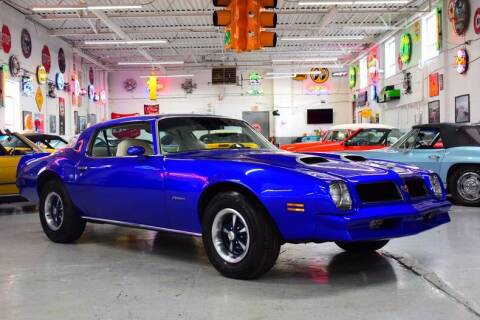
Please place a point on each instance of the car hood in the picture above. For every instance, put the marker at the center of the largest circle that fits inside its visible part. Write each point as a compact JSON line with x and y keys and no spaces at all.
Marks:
{"x":334,"y":165}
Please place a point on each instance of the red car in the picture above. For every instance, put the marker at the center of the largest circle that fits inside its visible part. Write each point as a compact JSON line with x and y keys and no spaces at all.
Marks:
{"x":359,"y":137}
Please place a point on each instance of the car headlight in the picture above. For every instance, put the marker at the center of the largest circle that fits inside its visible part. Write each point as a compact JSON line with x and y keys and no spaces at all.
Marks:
{"x":436,"y":185}
{"x":340,"y":195}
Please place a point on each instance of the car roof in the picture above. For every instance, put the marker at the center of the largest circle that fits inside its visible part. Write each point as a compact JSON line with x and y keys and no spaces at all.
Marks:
{"x":356,"y":126}
{"x":452,"y":134}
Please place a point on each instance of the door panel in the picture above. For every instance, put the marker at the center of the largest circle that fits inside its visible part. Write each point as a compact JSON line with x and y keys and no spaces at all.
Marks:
{"x":8,"y":174}
{"x":127,"y":189}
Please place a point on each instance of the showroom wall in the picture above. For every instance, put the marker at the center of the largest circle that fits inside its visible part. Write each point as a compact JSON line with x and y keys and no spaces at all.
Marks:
{"x":21,"y":102}
{"x":291,"y":99}
{"x":412,"y":108}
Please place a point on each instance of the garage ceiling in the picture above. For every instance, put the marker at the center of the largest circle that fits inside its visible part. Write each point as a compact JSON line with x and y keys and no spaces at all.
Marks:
{"x":191,"y":37}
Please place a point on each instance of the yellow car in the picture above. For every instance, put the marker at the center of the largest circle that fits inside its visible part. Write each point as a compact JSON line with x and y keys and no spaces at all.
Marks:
{"x":10,"y":155}
{"x":227,"y":139}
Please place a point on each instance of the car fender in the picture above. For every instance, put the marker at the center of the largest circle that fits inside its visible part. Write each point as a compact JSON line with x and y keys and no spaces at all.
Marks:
{"x":458,"y":156}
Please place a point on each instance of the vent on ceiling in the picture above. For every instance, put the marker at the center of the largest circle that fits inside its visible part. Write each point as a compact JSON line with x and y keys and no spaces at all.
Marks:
{"x":224,"y":76}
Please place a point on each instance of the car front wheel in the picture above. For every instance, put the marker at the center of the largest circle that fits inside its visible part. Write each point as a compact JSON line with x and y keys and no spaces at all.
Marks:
{"x":59,"y":220}
{"x":239,"y":238}
{"x":362,"y":246}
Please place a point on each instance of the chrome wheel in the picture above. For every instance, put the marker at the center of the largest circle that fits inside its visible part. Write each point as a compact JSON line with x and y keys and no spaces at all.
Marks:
{"x":468,"y":186}
{"x":54,"y":211}
{"x":230,"y":235}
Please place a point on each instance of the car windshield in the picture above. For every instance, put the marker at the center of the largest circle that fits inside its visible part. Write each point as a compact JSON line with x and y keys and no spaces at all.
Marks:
{"x":48,"y":142}
{"x":375,"y":137}
{"x":425,"y":138}
{"x":12,"y":141}
{"x":336,"y":135}
{"x":203,"y":133}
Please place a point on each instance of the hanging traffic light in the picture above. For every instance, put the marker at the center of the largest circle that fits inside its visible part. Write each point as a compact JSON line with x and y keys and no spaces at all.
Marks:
{"x":244,"y":22}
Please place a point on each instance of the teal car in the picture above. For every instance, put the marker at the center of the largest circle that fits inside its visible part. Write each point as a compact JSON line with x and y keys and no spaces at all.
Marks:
{"x":451,"y":150}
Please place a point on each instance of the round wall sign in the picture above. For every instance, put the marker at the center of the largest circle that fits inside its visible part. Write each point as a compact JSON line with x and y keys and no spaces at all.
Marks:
{"x":91,"y":75}
{"x":352,"y":77}
{"x":41,"y":75}
{"x":319,"y":75}
{"x":461,"y":60}
{"x":476,"y":21}
{"x":14,"y":66}
{"x":46,"y":59}
{"x":405,"y":48}
{"x":26,"y":42}
{"x":62,"y":65}
{"x":461,"y":15}
{"x":60,"y":81}
{"x":6,"y":39}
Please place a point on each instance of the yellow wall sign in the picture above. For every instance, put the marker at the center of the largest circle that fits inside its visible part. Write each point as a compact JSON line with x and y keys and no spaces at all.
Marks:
{"x":39,"y":98}
{"x":366,"y":113}
{"x":319,"y":75}
{"x":41,"y":74}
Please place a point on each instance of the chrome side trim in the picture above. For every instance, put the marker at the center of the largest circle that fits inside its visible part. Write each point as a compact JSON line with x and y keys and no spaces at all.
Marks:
{"x":141,"y":226}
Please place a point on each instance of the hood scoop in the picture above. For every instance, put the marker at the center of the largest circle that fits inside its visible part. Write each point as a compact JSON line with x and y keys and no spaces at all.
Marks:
{"x":312,"y":160}
{"x":354,"y":158}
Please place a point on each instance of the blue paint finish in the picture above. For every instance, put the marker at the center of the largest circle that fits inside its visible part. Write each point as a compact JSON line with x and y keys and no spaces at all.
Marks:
{"x":164,"y":191}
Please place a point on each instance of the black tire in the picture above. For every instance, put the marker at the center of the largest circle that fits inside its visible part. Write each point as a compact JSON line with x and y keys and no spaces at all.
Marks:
{"x":264,"y":240}
{"x":454,"y":185}
{"x":362,"y":246}
{"x":71,"y":226}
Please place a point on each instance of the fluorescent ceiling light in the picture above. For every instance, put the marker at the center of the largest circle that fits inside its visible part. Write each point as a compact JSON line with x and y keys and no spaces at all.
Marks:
{"x":149,"y":63}
{"x":85,"y":7}
{"x":171,"y":76}
{"x":124,"y":42}
{"x":350,"y":3}
{"x":325,"y":38}
{"x":319,"y":59}
{"x":295,"y":73}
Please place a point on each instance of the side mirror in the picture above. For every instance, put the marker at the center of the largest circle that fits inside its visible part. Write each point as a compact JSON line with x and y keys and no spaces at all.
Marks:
{"x":136,"y":151}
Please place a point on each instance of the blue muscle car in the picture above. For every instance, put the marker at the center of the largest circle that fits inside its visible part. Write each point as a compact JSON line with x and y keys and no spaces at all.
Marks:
{"x":246,"y":199}
{"x":451,"y":150}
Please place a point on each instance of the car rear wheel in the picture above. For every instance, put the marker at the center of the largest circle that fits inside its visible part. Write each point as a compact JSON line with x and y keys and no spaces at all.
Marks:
{"x":59,"y":220}
{"x":362,"y":246}
{"x":464,"y":184}
{"x":239,"y":238}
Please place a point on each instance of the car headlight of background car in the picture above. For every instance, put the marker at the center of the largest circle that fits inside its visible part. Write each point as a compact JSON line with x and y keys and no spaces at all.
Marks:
{"x":340,"y":195}
{"x":436,"y":184}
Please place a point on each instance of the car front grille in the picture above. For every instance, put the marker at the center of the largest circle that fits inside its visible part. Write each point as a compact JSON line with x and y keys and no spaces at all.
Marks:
{"x":416,"y":187}
{"x":378,"y":192}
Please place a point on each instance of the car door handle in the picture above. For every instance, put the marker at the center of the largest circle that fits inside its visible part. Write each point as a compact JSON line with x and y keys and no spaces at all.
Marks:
{"x":82,"y":168}
{"x":434,"y":157}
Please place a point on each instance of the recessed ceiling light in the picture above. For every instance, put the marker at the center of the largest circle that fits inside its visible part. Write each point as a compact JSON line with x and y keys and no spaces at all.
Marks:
{"x":124,"y":42}
{"x":85,"y":7}
{"x":149,"y":63}
{"x":324,"y":38}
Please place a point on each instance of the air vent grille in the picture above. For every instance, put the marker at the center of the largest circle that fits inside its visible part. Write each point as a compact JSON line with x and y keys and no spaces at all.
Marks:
{"x":224,"y":76}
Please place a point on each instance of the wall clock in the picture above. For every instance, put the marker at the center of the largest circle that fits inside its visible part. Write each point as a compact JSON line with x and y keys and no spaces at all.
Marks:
{"x":41,"y":74}
{"x":319,"y":75}
{"x":461,"y":60}
{"x":14,"y":66}
{"x":461,"y":16}
{"x":405,"y":48}
{"x":26,"y":43}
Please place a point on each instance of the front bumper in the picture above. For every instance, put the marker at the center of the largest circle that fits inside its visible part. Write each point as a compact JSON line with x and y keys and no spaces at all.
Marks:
{"x":379,"y":223}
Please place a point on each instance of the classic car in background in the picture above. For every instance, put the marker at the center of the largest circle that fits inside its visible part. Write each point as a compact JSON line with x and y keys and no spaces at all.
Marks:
{"x":9,"y":158}
{"x":154,"y":172}
{"x":451,"y":150}
{"x":48,"y":142}
{"x":365,"y":137}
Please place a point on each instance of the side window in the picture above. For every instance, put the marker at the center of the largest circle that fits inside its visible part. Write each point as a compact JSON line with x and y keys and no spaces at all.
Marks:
{"x":115,"y":141}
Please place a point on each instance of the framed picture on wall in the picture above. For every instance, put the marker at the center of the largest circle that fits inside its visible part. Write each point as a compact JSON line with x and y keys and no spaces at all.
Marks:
{"x":434,"y":111}
{"x":462,"y":108}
